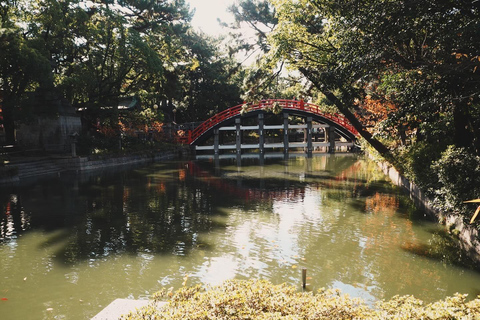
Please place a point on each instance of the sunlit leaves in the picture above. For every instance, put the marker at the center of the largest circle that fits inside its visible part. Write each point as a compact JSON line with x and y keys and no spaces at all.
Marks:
{"x":412,"y":53}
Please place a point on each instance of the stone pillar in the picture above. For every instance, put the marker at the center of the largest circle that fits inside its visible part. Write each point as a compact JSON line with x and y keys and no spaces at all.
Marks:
{"x":73,"y":139}
{"x":74,"y":149}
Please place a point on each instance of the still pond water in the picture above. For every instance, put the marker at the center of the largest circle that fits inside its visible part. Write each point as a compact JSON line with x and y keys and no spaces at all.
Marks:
{"x":70,"y":245}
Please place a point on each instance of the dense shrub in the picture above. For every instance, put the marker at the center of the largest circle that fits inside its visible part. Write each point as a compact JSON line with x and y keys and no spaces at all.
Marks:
{"x":448,"y":177}
{"x":93,"y":144}
{"x":458,"y":174}
{"x":258,"y":299}
{"x":415,"y":162}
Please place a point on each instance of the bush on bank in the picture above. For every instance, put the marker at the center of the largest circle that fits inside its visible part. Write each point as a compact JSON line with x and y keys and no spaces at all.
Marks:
{"x":458,"y":173}
{"x":259,"y":299}
{"x":448,"y":176}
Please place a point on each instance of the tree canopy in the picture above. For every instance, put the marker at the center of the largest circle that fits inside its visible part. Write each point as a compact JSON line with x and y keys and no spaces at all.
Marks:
{"x":417,"y":60}
{"x":405,"y":73}
{"x":94,"y":54}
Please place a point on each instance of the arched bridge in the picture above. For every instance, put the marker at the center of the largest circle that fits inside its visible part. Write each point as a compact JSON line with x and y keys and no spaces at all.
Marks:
{"x":332,"y":127}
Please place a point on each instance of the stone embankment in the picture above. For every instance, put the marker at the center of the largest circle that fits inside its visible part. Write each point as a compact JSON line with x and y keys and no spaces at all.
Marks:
{"x":467,"y":234}
{"x":25,"y":168}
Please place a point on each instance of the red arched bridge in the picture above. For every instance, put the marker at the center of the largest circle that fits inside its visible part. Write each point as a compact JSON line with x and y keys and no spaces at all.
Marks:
{"x":318,"y":130}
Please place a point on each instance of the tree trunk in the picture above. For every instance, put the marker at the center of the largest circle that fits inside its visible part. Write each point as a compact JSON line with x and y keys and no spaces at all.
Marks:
{"x":345,"y":110}
{"x":377,"y":145}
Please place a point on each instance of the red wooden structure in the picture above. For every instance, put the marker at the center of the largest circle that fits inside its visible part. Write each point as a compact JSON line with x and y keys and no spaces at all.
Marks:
{"x":297,"y":105}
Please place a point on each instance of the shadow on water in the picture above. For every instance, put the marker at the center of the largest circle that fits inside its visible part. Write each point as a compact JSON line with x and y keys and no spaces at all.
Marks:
{"x":160,"y":209}
{"x":442,"y":247}
{"x":165,"y":208}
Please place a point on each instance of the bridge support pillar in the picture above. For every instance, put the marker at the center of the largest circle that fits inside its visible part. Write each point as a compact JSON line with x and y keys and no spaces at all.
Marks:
{"x":353,"y":148}
{"x":216,"y":142}
{"x":261,"y":138}
{"x":309,"y":137}
{"x":285,"y":135}
{"x":238,"y":141}
{"x":331,"y":139}
{"x":261,"y":135}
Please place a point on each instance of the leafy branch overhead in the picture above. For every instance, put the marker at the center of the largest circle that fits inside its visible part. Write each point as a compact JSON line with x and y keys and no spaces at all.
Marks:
{"x":404,"y":73}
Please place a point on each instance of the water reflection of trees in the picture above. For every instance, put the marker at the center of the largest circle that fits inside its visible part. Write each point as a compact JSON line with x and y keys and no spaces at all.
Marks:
{"x":168,"y":208}
{"x":13,"y":219}
{"x":157,"y":211}
{"x":142,"y":212}
{"x":356,"y":239}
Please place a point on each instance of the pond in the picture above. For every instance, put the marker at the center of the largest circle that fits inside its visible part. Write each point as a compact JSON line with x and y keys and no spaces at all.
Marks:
{"x":70,"y":245}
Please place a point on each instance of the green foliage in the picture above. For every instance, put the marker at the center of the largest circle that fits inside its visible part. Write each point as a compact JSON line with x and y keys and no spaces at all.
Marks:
{"x":458,"y":172}
{"x":448,"y":177}
{"x":94,"y":54}
{"x":412,"y":162}
{"x":260,"y":16}
{"x":274,"y":108}
{"x":422,"y":58}
{"x":209,"y":81}
{"x":258,"y":299}
{"x":24,"y":69}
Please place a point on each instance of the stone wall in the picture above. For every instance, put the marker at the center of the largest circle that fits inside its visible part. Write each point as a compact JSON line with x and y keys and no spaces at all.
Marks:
{"x":420,"y":200}
{"x":50,"y":134}
{"x":80,"y":164}
{"x":14,"y":173}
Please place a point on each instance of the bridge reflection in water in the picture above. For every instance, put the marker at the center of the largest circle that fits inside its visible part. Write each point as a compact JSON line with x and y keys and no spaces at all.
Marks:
{"x":280,"y":126}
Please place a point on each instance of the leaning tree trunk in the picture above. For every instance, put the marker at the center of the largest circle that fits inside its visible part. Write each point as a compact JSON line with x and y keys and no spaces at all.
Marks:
{"x":377,"y":145}
{"x":345,"y":110}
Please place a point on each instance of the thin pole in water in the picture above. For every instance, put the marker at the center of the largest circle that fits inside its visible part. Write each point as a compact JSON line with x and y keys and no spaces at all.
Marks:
{"x":304,"y":277}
